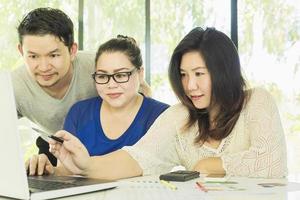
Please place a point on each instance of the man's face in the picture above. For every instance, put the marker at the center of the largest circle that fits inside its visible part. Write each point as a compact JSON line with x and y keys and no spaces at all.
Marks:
{"x":47,"y":59}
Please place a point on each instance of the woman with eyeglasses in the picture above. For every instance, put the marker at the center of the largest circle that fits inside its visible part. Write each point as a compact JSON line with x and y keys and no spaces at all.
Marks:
{"x":220,"y":126}
{"x":120,"y":115}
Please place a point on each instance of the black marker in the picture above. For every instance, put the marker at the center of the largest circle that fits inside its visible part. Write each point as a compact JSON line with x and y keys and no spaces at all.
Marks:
{"x":44,"y":133}
{"x":57,"y":139}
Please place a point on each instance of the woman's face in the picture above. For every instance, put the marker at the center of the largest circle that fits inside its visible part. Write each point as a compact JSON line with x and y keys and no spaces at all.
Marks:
{"x":114,"y":93}
{"x":196,"y":79}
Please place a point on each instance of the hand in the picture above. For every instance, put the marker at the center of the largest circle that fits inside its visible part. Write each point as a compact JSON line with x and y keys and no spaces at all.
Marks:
{"x":71,"y":153}
{"x":39,"y":165}
{"x":211,"y":165}
{"x":145,"y":88}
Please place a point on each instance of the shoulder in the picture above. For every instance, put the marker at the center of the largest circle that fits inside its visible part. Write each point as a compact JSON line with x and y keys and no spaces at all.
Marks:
{"x":155,"y":103}
{"x":179,"y":107}
{"x":19,"y":74}
{"x":177,"y":113}
{"x":85,"y":106}
{"x":259,"y":95}
{"x":260,"y":100}
{"x":21,"y":80}
{"x":85,"y":61}
{"x":88,"y":55}
{"x":86,"y":102}
{"x":82,"y":111}
{"x":151,"y":109}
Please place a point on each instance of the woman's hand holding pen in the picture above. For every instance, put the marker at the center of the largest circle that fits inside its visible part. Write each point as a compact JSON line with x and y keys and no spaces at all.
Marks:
{"x":71,"y":153}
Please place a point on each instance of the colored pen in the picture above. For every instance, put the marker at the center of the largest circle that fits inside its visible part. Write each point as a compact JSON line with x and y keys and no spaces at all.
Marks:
{"x":168,"y":184}
{"x":201,"y":187}
{"x":221,"y":182}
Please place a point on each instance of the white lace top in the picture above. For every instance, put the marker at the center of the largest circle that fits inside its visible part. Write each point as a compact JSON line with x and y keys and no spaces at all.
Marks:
{"x":255,"y":147}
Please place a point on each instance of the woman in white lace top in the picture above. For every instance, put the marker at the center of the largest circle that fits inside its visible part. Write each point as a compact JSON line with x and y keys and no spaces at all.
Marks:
{"x":219,"y":126}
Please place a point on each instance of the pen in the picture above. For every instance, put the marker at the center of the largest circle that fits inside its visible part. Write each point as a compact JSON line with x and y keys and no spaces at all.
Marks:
{"x":201,"y":187}
{"x":57,"y":139}
{"x":168,"y":184}
{"x":221,"y":182}
{"x":48,"y":135}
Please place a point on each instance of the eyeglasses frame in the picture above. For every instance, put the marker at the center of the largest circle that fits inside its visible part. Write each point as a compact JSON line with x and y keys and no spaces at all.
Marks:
{"x":113,"y":76}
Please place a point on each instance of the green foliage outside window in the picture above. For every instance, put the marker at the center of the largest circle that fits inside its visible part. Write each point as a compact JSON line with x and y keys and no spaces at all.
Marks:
{"x":12,"y":12}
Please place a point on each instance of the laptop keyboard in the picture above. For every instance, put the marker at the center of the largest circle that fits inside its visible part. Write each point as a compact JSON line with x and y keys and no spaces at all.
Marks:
{"x":59,"y":182}
{"x":49,"y":185}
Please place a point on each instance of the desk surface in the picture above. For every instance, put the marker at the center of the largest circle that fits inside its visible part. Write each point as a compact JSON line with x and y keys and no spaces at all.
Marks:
{"x":245,"y":188}
{"x":149,"y":187}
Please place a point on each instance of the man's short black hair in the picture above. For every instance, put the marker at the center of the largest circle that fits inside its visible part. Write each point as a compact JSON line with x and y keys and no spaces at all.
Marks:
{"x":43,"y":21}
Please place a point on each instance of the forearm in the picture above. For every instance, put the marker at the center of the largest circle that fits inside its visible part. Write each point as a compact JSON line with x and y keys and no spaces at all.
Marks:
{"x":212,"y":165}
{"x":271,"y":162}
{"x":113,"y":166}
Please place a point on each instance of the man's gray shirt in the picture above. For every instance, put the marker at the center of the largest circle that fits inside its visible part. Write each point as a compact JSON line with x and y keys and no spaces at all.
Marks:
{"x":42,"y":109}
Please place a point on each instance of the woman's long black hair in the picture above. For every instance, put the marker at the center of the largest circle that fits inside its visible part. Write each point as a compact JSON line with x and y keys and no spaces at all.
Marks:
{"x":228,"y":85}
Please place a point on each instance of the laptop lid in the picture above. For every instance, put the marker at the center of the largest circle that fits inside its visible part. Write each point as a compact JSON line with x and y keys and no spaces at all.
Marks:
{"x":13,"y":178}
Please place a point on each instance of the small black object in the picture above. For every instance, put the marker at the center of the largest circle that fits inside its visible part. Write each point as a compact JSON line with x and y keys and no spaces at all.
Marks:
{"x":181,"y":175}
{"x":56,"y":138}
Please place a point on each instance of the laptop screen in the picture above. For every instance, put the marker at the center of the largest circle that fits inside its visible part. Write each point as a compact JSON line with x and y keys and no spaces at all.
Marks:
{"x":13,"y":179}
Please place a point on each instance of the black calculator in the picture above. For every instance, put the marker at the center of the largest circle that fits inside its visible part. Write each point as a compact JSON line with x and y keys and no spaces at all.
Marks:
{"x":181,"y":175}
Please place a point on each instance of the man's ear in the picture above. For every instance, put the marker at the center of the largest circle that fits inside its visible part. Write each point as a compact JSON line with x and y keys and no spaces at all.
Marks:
{"x":20,"y":49}
{"x":73,"y":50}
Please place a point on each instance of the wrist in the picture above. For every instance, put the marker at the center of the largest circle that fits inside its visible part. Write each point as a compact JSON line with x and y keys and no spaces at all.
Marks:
{"x":200,"y":167}
{"x":87,"y":170}
{"x":57,"y":171}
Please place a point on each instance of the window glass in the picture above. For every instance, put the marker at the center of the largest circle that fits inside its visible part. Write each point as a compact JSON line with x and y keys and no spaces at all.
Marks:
{"x":269,"y":43}
{"x":104,"y":20}
{"x":170,"y":21}
{"x":14,"y":11}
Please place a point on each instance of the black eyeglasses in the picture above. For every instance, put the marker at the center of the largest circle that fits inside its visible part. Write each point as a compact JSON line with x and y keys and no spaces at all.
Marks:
{"x":120,"y":77}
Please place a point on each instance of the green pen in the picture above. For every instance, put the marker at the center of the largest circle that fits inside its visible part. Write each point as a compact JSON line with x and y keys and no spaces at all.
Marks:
{"x":222,"y":182}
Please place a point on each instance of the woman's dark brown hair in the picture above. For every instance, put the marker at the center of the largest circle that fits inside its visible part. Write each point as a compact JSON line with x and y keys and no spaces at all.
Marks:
{"x":228,"y":85}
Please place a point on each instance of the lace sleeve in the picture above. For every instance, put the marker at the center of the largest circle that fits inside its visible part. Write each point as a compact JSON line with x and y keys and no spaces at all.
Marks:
{"x":156,"y":151}
{"x":266,"y":156}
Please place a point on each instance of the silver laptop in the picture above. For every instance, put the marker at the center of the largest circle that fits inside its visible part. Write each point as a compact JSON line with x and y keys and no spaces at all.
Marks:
{"x":13,"y":179}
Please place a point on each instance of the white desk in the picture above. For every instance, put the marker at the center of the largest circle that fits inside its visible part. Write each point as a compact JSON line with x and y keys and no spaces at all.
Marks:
{"x":149,"y":188}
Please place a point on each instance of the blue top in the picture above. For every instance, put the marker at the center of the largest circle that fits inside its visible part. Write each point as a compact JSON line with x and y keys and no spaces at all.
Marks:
{"x":83,"y":121}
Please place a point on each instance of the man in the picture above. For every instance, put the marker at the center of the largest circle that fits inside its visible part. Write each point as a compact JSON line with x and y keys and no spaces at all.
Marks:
{"x":55,"y":76}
